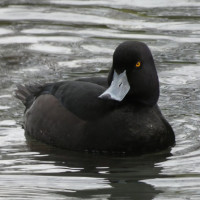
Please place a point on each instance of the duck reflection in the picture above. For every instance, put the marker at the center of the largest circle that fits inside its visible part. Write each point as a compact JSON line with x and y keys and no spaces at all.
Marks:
{"x":120,"y":175}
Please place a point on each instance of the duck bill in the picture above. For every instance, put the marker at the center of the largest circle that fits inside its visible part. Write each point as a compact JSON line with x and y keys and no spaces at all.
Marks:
{"x":118,"y":88}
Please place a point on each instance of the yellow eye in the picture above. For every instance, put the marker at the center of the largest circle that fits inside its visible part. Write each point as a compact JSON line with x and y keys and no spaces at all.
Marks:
{"x":138,"y":64}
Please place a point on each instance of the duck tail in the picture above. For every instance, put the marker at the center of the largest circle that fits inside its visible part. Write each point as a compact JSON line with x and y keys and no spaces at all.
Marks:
{"x":27,"y":93}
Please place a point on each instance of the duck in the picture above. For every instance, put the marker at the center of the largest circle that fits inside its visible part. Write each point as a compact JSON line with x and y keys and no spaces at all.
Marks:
{"x":117,"y":114}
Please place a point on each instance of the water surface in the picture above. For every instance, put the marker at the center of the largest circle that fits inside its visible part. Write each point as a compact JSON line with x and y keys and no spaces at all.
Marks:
{"x":53,"y":40}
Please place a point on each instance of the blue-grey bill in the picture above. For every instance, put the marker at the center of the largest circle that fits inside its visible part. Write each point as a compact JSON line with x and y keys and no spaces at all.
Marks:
{"x":118,"y":88}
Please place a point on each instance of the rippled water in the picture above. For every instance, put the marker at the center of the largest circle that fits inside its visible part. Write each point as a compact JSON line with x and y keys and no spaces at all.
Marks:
{"x":48,"y":40}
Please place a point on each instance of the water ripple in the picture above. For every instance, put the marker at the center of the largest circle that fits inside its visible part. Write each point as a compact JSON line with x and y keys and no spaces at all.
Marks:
{"x":63,"y":40}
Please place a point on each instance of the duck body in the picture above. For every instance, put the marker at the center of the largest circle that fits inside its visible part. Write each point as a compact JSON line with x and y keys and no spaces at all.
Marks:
{"x":91,"y":114}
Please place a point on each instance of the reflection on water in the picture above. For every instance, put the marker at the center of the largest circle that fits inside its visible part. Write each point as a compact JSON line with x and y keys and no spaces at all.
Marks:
{"x":48,"y":187}
{"x":77,"y":174}
{"x":61,"y":40}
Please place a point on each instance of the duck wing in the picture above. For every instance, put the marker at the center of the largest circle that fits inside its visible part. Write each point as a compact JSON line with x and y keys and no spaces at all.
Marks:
{"x":78,"y":97}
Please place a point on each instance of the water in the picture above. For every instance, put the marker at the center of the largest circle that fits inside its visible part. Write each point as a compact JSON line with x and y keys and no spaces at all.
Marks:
{"x":51,"y":40}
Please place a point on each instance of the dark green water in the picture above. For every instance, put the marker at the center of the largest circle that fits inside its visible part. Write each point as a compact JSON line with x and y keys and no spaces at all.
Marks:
{"x":51,"y":40}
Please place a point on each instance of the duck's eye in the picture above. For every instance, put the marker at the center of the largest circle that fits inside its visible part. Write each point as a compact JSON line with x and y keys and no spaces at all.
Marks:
{"x":138,"y":64}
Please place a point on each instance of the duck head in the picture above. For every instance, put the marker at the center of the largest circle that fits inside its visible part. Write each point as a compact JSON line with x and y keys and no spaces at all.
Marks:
{"x":133,"y":75}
